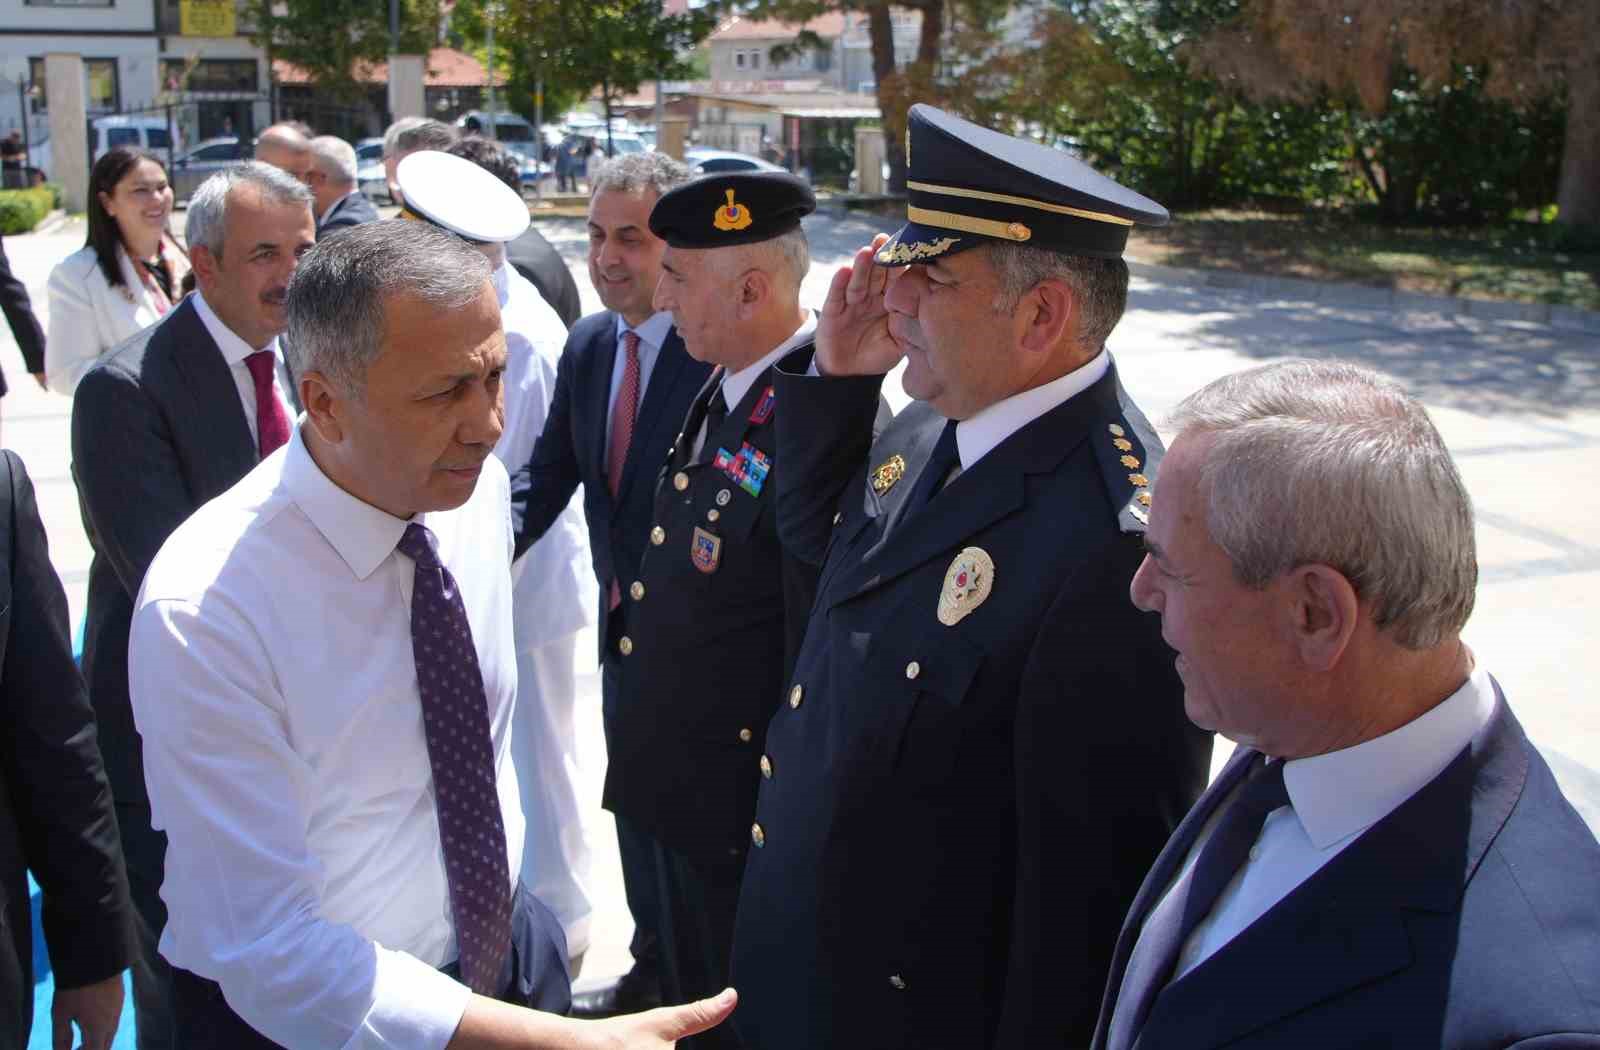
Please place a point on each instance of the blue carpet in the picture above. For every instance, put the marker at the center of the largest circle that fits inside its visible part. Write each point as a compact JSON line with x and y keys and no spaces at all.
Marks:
{"x":44,"y":989}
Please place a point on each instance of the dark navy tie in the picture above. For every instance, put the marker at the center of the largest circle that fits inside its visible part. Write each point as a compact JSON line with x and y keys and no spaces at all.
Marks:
{"x":945,"y":456}
{"x":1221,"y":857}
{"x":455,"y":721}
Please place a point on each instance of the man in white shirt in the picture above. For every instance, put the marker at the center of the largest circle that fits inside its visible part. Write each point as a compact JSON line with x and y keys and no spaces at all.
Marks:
{"x":1386,"y":860}
{"x":172,"y":418}
{"x":466,"y":192}
{"x":322,"y":667}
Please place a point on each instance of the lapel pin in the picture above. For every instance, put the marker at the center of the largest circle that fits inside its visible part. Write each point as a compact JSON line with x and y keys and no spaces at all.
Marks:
{"x":967,"y":584}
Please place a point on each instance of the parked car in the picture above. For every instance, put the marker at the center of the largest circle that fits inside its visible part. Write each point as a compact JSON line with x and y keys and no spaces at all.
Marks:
{"x":702,"y":161}
{"x":508,"y":127}
{"x":190,"y":169}
{"x":371,"y":179}
{"x":107,"y":133}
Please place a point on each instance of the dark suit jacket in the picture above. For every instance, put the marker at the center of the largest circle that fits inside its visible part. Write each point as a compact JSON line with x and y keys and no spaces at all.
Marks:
{"x":19,"y":314}
{"x":542,"y":265}
{"x":713,"y":638}
{"x":572,"y":451}
{"x":157,"y":430}
{"x":1469,"y":917}
{"x":352,"y":211}
{"x":957,"y":813}
{"x":55,"y":804}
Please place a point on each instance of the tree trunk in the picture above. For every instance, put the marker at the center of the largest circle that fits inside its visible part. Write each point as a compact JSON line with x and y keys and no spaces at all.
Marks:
{"x":1579,"y":194}
{"x":932,"y":37}
{"x":891,"y":100}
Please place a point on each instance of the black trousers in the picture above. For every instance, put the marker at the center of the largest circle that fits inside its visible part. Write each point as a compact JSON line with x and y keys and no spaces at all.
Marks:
{"x":637,"y":849}
{"x":145,"y":849}
{"x":536,"y":977}
{"x":697,"y":908}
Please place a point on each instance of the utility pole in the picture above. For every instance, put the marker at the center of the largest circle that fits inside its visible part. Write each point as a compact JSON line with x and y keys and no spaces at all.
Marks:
{"x":490,"y":12}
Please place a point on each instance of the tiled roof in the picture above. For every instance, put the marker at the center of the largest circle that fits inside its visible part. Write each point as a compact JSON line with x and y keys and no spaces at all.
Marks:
{"x":738,"y":27}
{"x":446,"y":68}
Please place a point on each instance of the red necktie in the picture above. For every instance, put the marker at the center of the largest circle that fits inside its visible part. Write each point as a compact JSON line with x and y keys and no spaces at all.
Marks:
{"x":622,"y":416}
{"x":272,"y":422}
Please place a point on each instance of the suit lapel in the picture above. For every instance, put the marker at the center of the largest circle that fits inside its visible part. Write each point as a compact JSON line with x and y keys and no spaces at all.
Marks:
{"x":214,"y":397}
{"x":647,"y":448}
{"x":602,"y":361}
{"x":1345,"y":926}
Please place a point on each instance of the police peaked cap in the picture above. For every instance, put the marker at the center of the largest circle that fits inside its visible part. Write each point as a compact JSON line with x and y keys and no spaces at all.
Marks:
{"x":969,"y":185}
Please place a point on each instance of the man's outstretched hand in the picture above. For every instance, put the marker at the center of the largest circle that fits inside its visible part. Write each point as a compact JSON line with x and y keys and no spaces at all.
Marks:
{"x":660,"y":1029}
{"x":853,"y":329}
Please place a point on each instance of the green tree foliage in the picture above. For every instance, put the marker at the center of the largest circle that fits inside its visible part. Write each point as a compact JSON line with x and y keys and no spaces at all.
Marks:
{"x":609,"y":46}
{"x":1528,"y":50}
{"x":332,"y":40}
{"x":523,"y":69}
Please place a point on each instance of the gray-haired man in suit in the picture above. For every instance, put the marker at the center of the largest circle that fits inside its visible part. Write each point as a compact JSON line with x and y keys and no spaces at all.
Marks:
{"x":170,"y":419}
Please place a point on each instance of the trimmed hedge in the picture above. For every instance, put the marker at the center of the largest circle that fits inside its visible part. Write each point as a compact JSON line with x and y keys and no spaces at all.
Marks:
{"x":22,"y":210}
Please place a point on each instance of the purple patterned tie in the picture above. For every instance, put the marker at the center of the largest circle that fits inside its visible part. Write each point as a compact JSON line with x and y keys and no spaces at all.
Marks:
{"x":455,"y":720}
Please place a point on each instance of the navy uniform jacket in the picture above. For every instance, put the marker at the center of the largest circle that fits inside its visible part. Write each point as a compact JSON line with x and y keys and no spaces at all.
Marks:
{"x":958,"y":815}
{"x":716,"y":614}
{"x":571,"y":451}
{"x":1468,"y":918}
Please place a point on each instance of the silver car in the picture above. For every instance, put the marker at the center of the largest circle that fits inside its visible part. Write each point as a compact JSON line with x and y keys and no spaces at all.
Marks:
{"x":192,"y":168}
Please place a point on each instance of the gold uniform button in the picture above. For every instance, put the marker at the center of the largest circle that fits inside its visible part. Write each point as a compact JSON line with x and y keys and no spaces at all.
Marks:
{"x":795,"y":695}
{"x":713,"y":514}
{"x":636,"y":592}
{"x":766,"y":767}
{"x":680,"y":481}
{"x":746,"y":736}
{"x":758,"y":836}
{"x":897,"y":982}
{"x":658,"y":536}
{"x":625,"y":645}
{"x":913,"y":669}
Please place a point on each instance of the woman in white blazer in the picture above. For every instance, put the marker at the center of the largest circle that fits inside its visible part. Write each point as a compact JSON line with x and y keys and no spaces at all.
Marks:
{"x":126,"y":276}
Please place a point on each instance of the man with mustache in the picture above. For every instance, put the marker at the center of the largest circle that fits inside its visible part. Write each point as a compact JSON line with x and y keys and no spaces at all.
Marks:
{"x":172,"y":418}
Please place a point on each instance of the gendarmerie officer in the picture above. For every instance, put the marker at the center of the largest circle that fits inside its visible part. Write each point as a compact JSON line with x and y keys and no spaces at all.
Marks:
{"x":716,"y":611}
{"x":982,"y":746}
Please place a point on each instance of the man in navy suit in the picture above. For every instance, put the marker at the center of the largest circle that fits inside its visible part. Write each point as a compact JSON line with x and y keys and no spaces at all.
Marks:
{"x":622,"y":390}
{"x":1387,"y":860}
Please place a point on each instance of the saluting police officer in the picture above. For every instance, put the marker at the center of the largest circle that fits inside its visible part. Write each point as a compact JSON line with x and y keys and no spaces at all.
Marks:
{"x":716,"y":612}
{"x":983,"y":745}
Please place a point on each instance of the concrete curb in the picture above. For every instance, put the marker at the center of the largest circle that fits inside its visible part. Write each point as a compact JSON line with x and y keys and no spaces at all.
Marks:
{"x":1568,"y":318}
{"x":51,"y":223}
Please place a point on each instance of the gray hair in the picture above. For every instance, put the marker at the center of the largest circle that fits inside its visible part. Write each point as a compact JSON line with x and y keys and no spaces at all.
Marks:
{"x":208,"y":207}
{"x":787,"y":256}
{"x":410,"y":134}
{"x":1333,"y":464}
{"x":339,"y":294}
{"x":637,"y":172}
{"x":335,"y":158}
{"x":1099,"y":286}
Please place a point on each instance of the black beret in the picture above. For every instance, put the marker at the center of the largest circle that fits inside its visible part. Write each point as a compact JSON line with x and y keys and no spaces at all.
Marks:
{"x":743,"y":207}
{"x":969,"y":185}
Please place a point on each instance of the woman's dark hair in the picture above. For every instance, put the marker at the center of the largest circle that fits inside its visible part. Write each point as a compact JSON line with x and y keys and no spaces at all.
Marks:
{"x":104,"y":236}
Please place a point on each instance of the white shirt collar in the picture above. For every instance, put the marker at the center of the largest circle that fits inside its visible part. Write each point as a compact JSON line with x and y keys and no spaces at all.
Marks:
{"x":736,"y":384}
{"x":234,"y":349}
{"x":653,"y":331}
{"x":977,"y":437}
{"x":362,"y":534}
{"x":1345,"y":792}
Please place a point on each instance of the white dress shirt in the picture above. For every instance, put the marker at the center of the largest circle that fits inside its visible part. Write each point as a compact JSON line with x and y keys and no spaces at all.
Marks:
{"x":979,"y":434}
{"x":652,"y":333}
{"x":553,"y":598}
{"x":234,"y":351}
{"x":735,"y":385}
{"x":1333,"y":799}
{"x":273,"y":682}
